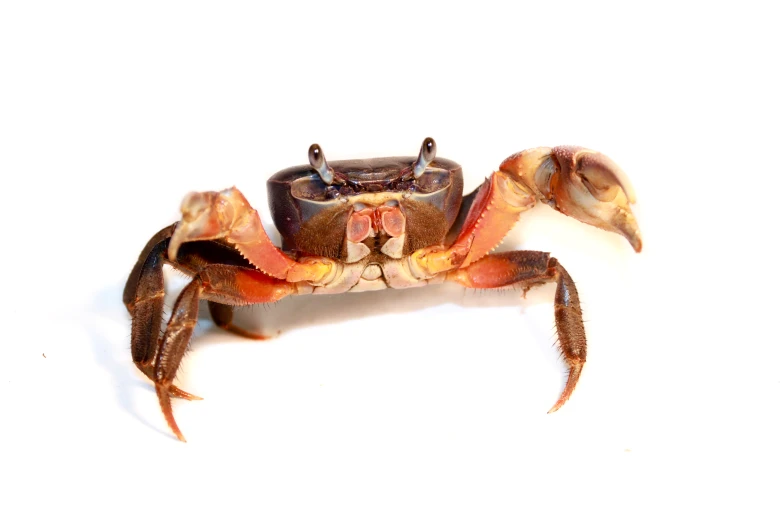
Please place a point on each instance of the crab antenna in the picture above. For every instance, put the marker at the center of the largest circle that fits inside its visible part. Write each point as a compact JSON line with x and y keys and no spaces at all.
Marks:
{"x":426,"y":155}
{"x":318,"y":162}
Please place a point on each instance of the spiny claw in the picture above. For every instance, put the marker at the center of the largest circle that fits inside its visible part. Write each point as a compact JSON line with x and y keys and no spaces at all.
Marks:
{"x":580,"y":183}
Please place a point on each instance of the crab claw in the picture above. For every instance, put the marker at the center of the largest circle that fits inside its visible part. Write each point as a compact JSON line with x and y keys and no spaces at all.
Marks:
{"x":580,"y":183}
{"x":228,"y":216}
{"x":205,"y":215}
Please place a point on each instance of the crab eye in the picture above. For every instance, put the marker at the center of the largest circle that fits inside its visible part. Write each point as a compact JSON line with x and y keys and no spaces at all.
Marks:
{"x":318,"y":162}
{"x":426,"y":155}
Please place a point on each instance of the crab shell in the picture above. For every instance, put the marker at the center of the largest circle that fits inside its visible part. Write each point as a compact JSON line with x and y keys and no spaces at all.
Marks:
{"x":312,"y":216}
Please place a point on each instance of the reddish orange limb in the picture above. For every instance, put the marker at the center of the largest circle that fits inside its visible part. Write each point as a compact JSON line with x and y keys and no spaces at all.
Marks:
{"x":227,"y":215}
{"x":495,"y":210}
{"x":493,"y":214}
{"x":578,"y":182}
{"x":528,"y":268}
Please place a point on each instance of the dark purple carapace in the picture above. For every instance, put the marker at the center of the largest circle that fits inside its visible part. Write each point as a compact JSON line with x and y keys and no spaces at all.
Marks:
{"x":298,"y":195}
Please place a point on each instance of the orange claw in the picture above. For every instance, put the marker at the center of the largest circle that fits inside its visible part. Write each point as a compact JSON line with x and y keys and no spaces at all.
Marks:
{"x":227,"y":215}
{"x":489,"y":222}
{"x":495,"y":211}
{"x":580,"y":183}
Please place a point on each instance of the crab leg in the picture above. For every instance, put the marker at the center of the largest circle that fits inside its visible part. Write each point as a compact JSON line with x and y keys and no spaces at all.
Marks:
{"x":154,"y":244}
{"x":578,"y":182}
{"x":223,"y":316}
{"x":529,"y":268}
{"x":225,"y":284}
{"x":143,"y":296}
{"x":173,"y":346}
{"x":227,"y":215}
{"x":219,"y":275}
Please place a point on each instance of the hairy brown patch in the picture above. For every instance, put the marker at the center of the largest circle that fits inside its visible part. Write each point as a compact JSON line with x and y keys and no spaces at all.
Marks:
{"x":323,"y":234}
{"x":425,"y":225}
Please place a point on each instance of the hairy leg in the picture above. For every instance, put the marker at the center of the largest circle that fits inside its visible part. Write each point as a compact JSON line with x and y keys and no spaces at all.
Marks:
{"x":143,"y":296}
{"x":219,"y":275}
{"x":527,"y":269}
{"x":225,"y":285}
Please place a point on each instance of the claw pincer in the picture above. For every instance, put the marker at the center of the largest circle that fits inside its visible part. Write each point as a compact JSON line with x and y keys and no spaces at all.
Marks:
{"x":580,"y":183}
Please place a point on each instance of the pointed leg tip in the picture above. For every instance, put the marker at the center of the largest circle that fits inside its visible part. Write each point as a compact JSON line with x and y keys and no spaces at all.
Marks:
{"x":164,"y":397}
{"x":173,"y":426}
{"x":556,"y":407}
{"x":573,"y":377}
{"x":188,"y":396}
{"x":182,"y":394}
{"x":561,"y":401}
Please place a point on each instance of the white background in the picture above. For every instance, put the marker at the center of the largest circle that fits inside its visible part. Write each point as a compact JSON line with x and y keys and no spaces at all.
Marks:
{"x":417,"y":405}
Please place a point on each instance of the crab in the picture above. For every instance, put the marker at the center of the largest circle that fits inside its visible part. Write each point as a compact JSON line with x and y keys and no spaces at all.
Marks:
{"x":359,"y":225}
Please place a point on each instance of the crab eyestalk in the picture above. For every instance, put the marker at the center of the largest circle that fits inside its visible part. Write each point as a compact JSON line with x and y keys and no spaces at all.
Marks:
{"x":318,"y":162}
{"x":580,"y":183}
{"x":426,"y":155}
